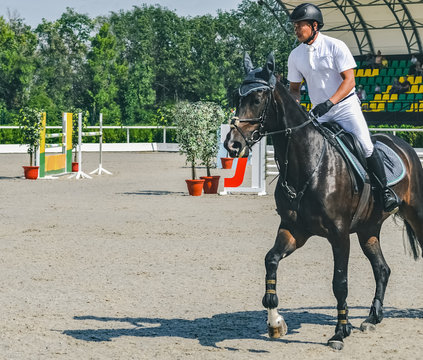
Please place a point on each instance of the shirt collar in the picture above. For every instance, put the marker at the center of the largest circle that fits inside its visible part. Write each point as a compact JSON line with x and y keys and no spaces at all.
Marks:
{"x":316,"y":42}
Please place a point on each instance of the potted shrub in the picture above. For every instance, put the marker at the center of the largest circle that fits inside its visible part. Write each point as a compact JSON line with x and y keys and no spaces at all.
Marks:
{"x":212,"y":115}
{"x":30,"y":126}
{"x":190,"y":130}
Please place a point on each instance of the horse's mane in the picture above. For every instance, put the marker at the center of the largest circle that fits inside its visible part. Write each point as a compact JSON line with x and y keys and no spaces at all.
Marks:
{"x":287,"y":102}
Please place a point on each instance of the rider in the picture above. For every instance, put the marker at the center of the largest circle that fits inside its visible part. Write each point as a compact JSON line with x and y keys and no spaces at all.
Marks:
{"x":326,"y":64}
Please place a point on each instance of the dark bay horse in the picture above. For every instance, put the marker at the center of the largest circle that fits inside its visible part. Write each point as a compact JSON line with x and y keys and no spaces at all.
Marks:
{"x":315,"y":195}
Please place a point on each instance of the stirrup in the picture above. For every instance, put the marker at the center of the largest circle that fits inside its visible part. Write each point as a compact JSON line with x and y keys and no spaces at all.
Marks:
{"x":394,"y":206}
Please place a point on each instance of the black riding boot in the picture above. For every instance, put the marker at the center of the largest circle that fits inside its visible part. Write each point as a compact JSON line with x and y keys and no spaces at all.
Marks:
{"x":390,"y":199}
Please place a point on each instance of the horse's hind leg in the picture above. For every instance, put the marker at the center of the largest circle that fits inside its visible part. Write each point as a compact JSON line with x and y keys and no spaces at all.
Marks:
{"x":285,"y":244}
{"x":369,"y":242}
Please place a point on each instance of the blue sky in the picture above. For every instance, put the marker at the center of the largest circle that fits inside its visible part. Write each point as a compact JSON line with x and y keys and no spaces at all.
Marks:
{"x":34,"y":10}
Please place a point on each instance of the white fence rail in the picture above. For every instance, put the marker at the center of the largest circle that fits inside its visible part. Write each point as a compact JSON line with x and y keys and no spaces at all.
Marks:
{"x":126,"y":128}
{"x":127,"y":146}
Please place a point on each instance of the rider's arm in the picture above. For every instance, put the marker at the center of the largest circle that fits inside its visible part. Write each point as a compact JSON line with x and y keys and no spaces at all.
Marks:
{"x":294,"y":90}
{"x":348,"y":83}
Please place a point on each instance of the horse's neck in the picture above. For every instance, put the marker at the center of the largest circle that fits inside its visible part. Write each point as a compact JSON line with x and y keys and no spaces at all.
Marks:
{"x":299,"y":147}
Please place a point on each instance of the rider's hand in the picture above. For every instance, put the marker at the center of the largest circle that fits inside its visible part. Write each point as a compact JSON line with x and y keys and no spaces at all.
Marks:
{"x":322,"y":108}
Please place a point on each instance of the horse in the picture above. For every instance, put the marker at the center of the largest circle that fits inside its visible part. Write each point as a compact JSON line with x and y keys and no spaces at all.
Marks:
{"x":315,"y":194}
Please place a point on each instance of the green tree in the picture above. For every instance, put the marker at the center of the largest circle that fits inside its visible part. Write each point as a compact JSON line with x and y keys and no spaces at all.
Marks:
{"x":104,"y":69}
{"x":17,"y":46}
{"x":62,"y":51}
{"x":134,"y":36}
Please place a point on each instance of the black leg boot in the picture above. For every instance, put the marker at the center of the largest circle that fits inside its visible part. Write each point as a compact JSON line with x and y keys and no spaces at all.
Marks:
{"x":390,"y":199}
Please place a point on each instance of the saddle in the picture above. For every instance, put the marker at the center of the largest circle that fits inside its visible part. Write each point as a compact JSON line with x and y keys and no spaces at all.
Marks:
{"x":352,"y":151}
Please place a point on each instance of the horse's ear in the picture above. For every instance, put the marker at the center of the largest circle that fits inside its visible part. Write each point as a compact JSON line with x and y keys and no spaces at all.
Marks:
{"x":248,"y":64}
{"x":270,"y":63}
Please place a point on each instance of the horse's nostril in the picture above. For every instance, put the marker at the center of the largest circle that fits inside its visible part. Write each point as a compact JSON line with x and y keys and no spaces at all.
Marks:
{"x":236,"y":145}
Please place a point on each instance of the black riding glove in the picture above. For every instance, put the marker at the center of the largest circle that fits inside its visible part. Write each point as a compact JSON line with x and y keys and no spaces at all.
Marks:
{"x":322,"y":108}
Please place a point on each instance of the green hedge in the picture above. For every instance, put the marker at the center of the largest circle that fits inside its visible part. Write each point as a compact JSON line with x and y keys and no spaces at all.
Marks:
{"x":415,"y":139}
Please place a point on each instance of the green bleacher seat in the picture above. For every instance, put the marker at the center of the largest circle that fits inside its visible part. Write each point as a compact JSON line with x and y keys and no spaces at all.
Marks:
{"x":371,"y":81}
{"x":358,"y":62}
{"x":418,"y":97}
{"x":383,"y":72}
{"x":402,"y":97}
{"x":362,"y":81}
{"x":394,"y":64}
{"x":405,"y":106}
{"x":397,"y":106}
{"x":370,"y":97}
{"x":368,"y":89}
{"x":410,"y":97}
{"x":391,"y":72}
{"x":399,"y":72}
{"x":403,"y":64}
{"x":390,"y":107}
{"x":386,"y":80}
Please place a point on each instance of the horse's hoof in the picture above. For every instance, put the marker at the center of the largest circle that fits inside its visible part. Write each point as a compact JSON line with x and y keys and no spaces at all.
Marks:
{"x":277,"y":332}
{"x":336,"y":344}
{"x":366,"y":326}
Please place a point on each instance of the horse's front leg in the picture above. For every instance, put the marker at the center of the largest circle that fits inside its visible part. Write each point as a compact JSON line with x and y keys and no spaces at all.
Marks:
{"x":285,"y":244}
{"x":341,"y":252}
{"x":369,"y":241}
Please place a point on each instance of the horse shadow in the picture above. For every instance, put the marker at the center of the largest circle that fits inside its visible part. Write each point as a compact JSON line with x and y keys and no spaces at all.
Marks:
{"x":245,"y":325}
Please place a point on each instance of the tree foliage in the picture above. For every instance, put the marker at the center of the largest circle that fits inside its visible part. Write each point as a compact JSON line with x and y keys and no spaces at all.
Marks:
{"x":132,"y":65}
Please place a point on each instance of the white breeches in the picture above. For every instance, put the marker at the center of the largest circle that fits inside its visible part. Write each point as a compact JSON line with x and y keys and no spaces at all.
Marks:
{"x":348,"y":115}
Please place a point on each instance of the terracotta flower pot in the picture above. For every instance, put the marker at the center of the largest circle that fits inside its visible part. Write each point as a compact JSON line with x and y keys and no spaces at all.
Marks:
{"x":211,"y":184}
{"x":31,"y":172}
{"x":227,"y":162}
{"x":195,"y":187}
{"x":75,"y":167}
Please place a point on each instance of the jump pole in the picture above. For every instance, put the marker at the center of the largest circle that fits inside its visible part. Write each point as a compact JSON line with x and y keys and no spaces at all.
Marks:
{"x":100,"y":168}
{"x":80,"y":174}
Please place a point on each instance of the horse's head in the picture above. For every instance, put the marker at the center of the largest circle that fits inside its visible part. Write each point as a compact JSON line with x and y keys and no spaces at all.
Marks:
{"x":254,"y":97}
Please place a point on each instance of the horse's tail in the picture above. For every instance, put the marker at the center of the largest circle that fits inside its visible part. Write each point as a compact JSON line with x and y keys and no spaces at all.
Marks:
{"x":413,"y":241}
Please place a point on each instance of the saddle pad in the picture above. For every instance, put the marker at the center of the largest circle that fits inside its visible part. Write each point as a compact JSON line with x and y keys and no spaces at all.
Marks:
{"x":394,"y":166}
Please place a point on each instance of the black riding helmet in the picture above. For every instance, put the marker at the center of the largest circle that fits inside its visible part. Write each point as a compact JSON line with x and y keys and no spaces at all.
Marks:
{"x":308,"y":12}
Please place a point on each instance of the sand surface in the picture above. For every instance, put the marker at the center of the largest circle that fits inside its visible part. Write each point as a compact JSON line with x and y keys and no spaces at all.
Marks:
{"x":130,"y":267}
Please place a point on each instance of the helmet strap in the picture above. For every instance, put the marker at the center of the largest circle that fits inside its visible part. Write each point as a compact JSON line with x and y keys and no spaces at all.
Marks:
{"x":312,"y":36}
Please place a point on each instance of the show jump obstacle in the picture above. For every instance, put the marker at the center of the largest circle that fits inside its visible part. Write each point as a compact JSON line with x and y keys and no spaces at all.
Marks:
{"x":100,"y":170}
{"x":56,"y":164}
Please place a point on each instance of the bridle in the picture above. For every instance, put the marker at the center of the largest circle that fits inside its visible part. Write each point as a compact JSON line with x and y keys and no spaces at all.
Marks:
{"x":293,"y":196}
{"x":261,"y":132}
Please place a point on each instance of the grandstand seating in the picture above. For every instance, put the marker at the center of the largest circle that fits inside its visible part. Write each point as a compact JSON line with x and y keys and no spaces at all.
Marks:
{"x":411,"y":101}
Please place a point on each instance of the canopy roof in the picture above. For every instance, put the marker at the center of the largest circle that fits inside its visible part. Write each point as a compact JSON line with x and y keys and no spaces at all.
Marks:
{"x":391,"y":26}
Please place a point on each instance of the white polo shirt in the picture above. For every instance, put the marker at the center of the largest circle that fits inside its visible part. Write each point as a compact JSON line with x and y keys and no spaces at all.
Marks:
{"x":320,"y":64}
